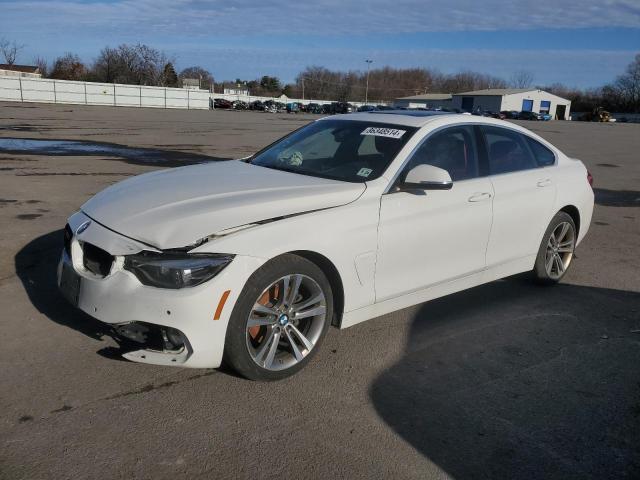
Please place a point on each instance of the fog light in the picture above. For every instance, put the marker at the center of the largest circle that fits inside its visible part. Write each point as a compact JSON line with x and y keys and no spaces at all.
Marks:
{"x":173,"y":339}
{"x":135,"y":331}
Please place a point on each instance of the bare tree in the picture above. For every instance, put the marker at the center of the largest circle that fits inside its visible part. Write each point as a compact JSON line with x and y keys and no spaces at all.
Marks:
{"x":42,"y":65}
{"x":105,"y":67}
{"x":627,"y":86}
{"x":10,"y":50}
{"x":521,"y":79}
{"x":69,"y":67}
{"x":130,"y":64}
{"x":206,"y":79}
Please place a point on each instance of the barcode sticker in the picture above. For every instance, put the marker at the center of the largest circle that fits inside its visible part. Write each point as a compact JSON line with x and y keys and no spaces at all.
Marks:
{"x":384,"y":132}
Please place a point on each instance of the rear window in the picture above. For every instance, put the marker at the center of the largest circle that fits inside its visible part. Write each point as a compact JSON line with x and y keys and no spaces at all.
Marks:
{"x":544,"y":156}
{"x":508,"y":151}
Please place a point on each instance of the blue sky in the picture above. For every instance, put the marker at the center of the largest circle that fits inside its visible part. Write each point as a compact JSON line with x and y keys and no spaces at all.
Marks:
{"x":583,"y":43}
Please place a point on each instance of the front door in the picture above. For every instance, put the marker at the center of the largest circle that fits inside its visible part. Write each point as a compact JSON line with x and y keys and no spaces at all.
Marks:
{"x":429,"y":237}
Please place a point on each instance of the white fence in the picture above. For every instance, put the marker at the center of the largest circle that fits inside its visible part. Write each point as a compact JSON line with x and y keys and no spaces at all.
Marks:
{"x":43,"y":90}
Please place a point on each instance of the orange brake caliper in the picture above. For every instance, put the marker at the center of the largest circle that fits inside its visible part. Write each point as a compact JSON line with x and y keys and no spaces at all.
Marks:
{"x":263,"y":300}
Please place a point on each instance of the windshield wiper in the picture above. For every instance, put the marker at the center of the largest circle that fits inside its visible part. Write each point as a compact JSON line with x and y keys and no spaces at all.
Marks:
{"x":283,"y":169}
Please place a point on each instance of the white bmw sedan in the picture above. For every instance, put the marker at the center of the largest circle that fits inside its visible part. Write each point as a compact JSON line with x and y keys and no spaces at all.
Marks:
{"x":343,"y":220}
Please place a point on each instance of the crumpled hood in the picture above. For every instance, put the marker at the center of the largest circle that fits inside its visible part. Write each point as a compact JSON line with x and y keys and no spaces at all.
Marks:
{"x":176,"y":207}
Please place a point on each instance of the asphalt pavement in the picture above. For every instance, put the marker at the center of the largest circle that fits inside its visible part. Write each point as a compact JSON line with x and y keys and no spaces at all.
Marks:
{"x":507,"y":380}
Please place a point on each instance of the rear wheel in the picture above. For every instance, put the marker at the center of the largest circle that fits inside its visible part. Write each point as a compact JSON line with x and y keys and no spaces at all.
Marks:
{"x":279,"y":320}
{"x":556,"y":250}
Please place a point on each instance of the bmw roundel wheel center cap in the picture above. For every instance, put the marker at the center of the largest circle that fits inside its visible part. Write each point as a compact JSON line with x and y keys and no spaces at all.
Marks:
{"x":283,"y":320}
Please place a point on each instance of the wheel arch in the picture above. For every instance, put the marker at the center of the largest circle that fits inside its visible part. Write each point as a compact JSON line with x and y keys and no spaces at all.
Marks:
{"x":574,"y":213}
{"x":332,"y":274}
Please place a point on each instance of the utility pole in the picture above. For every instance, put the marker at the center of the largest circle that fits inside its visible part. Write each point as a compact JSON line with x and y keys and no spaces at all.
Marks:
{"x":366,"y":92}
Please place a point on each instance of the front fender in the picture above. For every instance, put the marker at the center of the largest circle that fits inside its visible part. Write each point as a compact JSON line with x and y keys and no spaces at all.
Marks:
{"x":345,"y":235}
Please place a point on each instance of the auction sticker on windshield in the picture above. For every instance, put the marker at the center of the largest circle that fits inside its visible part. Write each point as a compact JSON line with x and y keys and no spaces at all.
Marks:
{"x":384,"y":132}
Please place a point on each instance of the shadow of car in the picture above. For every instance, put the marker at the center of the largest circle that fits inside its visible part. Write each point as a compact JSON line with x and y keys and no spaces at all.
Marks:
{"x":510,"y":381}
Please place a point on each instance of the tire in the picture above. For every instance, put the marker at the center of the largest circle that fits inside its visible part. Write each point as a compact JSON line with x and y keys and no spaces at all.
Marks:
{"x":556,"y":250}
{"x":284,"y":333}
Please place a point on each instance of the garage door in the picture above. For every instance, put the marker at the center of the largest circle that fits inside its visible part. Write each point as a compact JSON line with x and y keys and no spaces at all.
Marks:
{"x":527,"y":105}
{"x":545,"y":106}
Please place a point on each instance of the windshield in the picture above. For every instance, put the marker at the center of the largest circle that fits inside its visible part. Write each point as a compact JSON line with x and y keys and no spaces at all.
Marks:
{"x":350,"y":151}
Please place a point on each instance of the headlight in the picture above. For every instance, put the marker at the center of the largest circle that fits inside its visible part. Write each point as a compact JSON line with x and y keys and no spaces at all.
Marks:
{"x":175,"y":270}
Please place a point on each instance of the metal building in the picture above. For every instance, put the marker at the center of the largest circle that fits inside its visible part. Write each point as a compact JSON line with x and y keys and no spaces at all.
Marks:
{"x":513,"y":99}
{"x":428,"y":100}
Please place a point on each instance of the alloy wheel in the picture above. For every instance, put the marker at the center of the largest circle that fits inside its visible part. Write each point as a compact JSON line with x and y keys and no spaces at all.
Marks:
{"x":560,"y":247}
{"x":286,"y":321}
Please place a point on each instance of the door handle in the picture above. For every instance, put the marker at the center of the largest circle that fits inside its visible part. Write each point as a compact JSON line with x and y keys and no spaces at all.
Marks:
{"x":479,"y":197}
{"x":544,"y":183}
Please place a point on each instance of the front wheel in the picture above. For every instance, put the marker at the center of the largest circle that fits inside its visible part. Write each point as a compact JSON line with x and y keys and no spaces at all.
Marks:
{"x":279,"y":320}
{"x":556,"y":250}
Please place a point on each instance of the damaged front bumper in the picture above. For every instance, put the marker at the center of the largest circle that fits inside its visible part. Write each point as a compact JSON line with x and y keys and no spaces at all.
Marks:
{"x":166,"y":327}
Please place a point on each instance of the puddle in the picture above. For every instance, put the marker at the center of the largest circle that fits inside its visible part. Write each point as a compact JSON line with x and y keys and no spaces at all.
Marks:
{"x":130,"y":154}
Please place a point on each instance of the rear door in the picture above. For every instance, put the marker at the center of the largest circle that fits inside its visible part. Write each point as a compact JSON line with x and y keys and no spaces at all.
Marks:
{"x":522,"y":173}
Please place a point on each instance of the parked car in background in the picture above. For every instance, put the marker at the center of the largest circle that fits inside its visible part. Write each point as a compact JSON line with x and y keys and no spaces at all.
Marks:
{"x":384,"y":107}
{"x":367,"y":108}
{"x":342,"y":107}
{"x":270,"y":107}
{"x":240,"y":105}
{"x":222,"y":103}
{"x":348,"y":218}
{"x":499,"y":115}
{"x":256,"y":105}
{"x":529,"y":116}
{"x":293,"y":107}
{"x":511,"y":114}
{"x":328,"y":108}
{"x":314,"y":108}
{"x":545,"y":116}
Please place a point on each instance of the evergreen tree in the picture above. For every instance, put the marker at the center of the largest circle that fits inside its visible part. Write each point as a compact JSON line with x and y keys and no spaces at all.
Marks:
{"x":169,"y":76}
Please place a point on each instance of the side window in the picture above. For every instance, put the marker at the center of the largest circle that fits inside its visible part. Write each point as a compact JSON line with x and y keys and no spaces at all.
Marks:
{"x":452,"y":149}
{"x":507,"y":150}
{"x":544,"y":156}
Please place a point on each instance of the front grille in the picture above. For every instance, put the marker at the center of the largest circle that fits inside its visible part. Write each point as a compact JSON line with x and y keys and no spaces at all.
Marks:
{"x":68,"y":235}
{"x":96,"y":260}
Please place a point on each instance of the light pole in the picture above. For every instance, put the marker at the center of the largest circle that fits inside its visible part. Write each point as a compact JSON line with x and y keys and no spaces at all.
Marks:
{"x":366,"y":92}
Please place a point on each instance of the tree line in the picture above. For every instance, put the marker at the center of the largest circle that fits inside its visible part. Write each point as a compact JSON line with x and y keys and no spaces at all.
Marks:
{"x":144,"y":65}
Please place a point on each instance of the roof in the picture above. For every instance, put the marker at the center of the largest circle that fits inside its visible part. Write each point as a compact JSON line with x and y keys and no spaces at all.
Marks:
{"x":412,"y":113}
{"x":409,"y":118}
{"x":20,"y":68}
{"x":498,"y":91}
{"x":428,"y":96}
{"x":420,"y":118}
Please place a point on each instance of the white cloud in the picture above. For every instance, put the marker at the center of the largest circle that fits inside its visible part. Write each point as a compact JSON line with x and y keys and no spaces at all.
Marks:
{"x":321,"y":17}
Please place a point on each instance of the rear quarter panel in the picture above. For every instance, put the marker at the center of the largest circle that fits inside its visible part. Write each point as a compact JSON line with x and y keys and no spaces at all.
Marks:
{"x":574,"y":189}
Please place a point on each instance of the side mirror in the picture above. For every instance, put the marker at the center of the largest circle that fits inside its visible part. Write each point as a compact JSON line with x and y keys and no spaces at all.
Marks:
{"x":427,"y":177}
